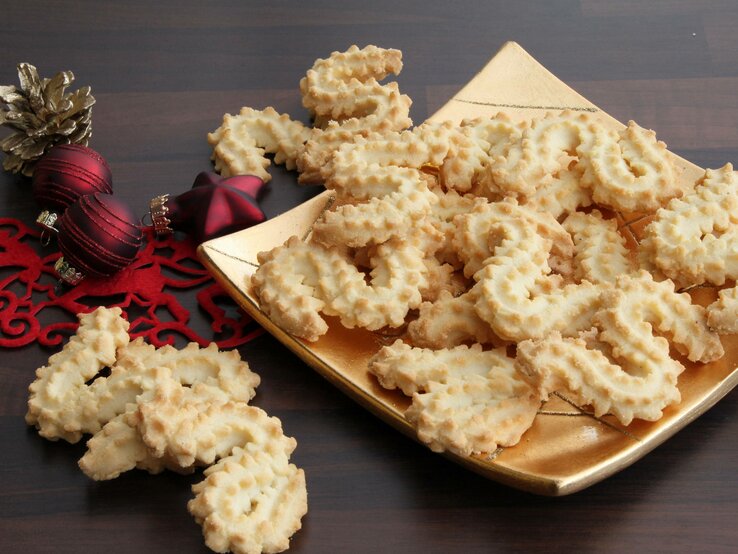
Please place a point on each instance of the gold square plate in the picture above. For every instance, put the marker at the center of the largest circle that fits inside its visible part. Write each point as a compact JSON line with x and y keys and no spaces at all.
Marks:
{"x":567,"y":449}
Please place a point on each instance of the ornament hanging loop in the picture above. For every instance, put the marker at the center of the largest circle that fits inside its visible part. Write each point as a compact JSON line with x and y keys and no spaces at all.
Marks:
{"x":45,"y":238}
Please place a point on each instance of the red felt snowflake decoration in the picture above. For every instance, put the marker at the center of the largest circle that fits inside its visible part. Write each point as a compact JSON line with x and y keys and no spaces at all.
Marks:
{"x":31,"y":299}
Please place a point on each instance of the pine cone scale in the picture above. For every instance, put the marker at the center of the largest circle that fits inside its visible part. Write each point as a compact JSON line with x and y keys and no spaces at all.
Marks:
{"x":11,"y":142}
{"x":54,"y":89}
{"x":9,"y":94}
{"x":34,"y":150}
{"x":31,"y":83}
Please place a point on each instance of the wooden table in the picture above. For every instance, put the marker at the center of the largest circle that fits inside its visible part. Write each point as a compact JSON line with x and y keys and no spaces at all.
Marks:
{"x":164,"y":73}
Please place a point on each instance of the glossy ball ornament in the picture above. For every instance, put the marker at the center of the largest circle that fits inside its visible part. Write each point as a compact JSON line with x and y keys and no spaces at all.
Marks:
{"x":65,"y":173}
{"x":213,"y":207}
{"x":98,"y":236}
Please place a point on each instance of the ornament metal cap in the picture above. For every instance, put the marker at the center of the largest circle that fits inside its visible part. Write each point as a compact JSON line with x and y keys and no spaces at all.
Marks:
{"x":159,"y":215}
{"x":47,"y":220}
{"x":67,"y":273}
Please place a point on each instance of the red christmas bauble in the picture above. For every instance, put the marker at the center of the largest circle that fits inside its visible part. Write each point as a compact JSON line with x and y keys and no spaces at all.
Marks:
{"x":98,"y":235}
{"x":63,"y":174}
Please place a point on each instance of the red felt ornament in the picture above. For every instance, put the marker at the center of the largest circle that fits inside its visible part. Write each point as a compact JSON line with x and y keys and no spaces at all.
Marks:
{"x":31,"y":307}
{"x":98,"y":235}
{"x":213,"y":207}
{"x":64,"y":174}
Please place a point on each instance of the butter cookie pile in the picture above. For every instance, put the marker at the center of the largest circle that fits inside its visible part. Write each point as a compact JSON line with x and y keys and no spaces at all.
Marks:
{"x":502,"y":249}
{"x":175,"y":409}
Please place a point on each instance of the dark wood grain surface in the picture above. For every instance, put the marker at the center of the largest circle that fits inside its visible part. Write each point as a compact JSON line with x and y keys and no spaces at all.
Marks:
{"x":165,"y":72}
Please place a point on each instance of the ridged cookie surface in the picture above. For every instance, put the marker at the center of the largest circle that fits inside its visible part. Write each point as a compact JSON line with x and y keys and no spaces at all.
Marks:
{"x":465,"y":399}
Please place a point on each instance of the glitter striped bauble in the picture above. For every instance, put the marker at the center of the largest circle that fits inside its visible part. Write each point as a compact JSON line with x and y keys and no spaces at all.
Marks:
{"x":63,"y":174}
{"x":98,"y":236}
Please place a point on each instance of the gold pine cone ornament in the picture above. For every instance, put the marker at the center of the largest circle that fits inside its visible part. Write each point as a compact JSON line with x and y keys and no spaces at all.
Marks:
{"x":42,"y":115}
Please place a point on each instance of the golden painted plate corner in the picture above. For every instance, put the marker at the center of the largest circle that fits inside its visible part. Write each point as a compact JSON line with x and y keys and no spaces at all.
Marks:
{"x":567,"y":449}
